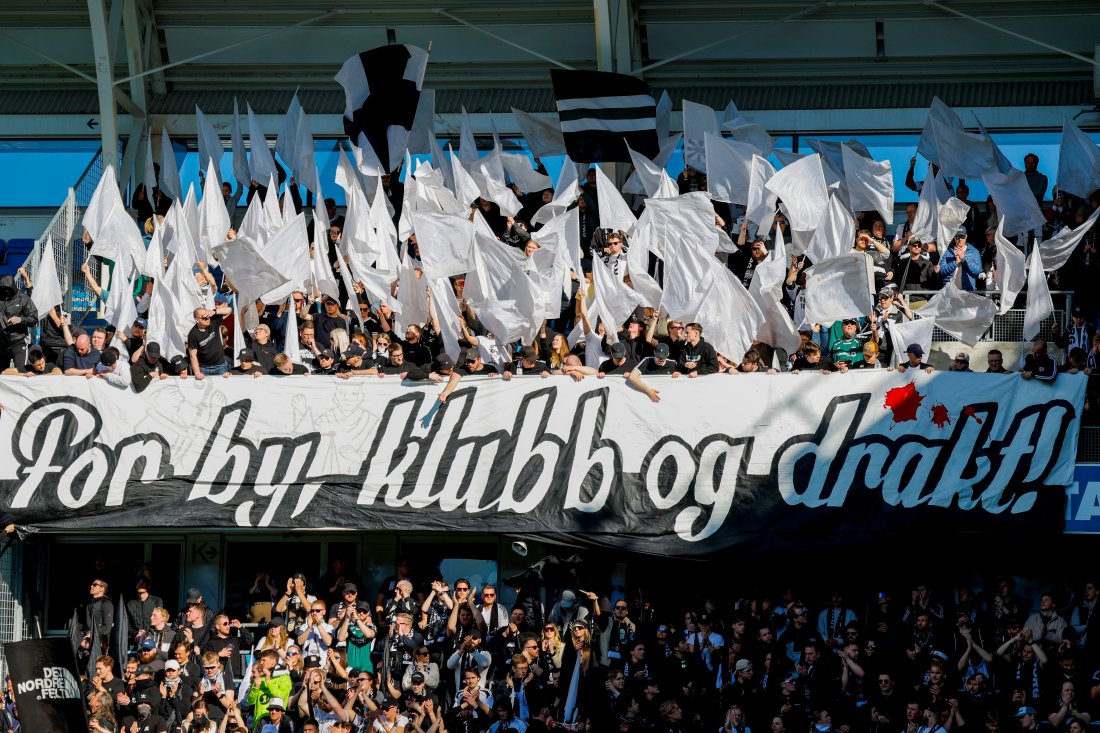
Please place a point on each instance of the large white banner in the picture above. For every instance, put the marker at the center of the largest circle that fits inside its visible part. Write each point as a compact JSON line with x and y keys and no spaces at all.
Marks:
{"x":719,"y":460}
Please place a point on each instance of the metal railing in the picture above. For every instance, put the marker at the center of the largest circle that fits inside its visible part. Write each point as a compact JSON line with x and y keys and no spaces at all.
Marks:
{"x":69,"y":251}
{"x":1088,"y":444}
{"x":1008,"y":326}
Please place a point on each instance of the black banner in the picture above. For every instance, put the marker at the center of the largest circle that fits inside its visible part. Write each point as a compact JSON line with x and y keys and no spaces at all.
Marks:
{"x":47,"y":686}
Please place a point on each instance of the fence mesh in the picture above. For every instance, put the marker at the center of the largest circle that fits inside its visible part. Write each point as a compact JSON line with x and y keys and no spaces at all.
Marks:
{"x":13,"y":625}
{"x":1088,"y":445}
{"x":70,"y":253}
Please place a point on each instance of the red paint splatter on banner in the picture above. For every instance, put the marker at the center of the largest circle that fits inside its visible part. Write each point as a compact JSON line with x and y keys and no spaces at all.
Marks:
{"x":903,"y":402}
{"x":940,"y":417}
{"x":968,"y":411}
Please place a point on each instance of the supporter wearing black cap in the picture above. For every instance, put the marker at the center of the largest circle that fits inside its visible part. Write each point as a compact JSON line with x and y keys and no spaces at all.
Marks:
{"x":248,"y":365}
{"x":356,"y":362}
{"x":442,"y":368}
{"x":619,"y":363}
{"x":474,"y":365}
{"x":179,"y":366}
{"x":325,"y":363}
{"x":330,"y":319}
{"x":529,"y":364}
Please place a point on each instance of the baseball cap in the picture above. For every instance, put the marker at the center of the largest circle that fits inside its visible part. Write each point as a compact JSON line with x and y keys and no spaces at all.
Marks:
{"x":937,"y":654}
{"x":1078,"y":311}
{"x":472,"y":355}
{"x":246,"y":355}
{"x":354,"y":349}
{"x":194,"y":595}
{"x":312,"y":661}
{"x":179,"y":364}
{"x":444,"y":363}
{"x":144,"y":669}
{"x":1025,"y":711}
{"x":326,"y":354}
{"x":277,"y":621}
{"x":661,"y":351}
{"x":141,"y":322}
{"x":886,"y":293}
{"x":417,"y":677}
{"x":852,"y":321}
{"x":362,"y":606}
{"x":276,"y":702}
{"x":147,"y":644}
{"x":389,"y":702}
{"x":618,"y":350}
{"x":742,"y":665}
{"x":960,"y":232}
{"x":351,"y":588}
{"x":568,"y":598}
{"x":172,"y":664}
{"x":152,"y":349}
{"x":914,"y":349}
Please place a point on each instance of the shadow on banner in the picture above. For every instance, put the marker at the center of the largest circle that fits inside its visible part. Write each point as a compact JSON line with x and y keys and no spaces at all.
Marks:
{"x":47,"y":686}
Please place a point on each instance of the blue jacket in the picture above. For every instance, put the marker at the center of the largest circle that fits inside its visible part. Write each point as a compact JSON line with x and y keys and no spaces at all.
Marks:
{"x":971,"y":266}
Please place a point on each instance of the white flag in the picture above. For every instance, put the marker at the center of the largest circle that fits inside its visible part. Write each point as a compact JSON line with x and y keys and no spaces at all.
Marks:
{"x":835,"y":235}
{"x":445,"y":243}
{"x":169,"y":171}
{"x":260,"y":163}
{"x":210,"y":145}
{"x":1078,"y":162}
{"x":917,"y":331}
{"x":729,"y":168}
{"x":47,"y":288}
{"x":214,"y":221}
{"x":760,"y":209}
{"x":614,"y":213}
{"x":964,"y":315}
{"x":839,"y":288}
{"x":946,"y":117}
{"x":243,"y":261}
{"x":518,"y":167}
{"x":649,"y":176}
{"x":240,"y":160}
{"x":114,"y":233}
{"x":1014,"y":200}
{"x":698,"y":119}
{"x":801,"y":188}
{"x":286,"y":142}
{"x":566,"y":191}
{"x":1040,"y":306}
{"x":1011,"y":269}
{"x":172,"y":308}
{"x":544,"y":137}
{"x":870,"y":184}
{"x":1057,"y":250}
{"x":288,"y":251}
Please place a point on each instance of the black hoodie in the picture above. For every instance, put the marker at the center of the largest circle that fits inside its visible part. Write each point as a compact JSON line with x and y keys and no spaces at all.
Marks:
{"x":13,"y":303}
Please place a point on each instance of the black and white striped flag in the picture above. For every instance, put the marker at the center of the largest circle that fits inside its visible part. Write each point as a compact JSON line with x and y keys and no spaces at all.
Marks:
{"x":382,"y":88}
{"x":601,"y":113}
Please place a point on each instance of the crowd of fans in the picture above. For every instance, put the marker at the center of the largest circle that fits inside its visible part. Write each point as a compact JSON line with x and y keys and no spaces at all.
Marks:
{"x":360,"y":340}
{"x":440,"y":655}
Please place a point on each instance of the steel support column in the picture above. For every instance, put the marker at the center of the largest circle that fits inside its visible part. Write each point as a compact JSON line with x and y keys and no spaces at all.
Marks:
{"x":104,"y":71}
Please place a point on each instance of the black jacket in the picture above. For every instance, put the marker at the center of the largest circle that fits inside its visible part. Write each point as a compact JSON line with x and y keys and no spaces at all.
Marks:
{"x":13,"y":303}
